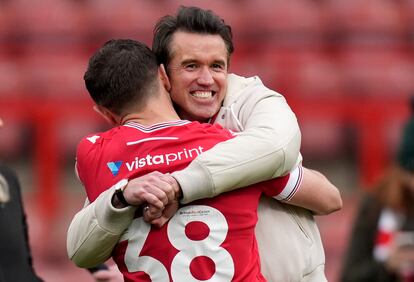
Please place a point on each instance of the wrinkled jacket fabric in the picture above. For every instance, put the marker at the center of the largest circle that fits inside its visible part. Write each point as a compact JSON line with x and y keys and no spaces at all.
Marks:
{"x":268,"y":146}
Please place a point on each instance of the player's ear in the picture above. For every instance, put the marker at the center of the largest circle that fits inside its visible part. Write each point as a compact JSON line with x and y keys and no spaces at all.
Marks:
{"x":106,"y":114}
{"x":164,"y":77}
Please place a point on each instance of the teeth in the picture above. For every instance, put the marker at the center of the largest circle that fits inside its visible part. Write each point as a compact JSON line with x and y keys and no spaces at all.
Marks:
{"x":203,"y":94}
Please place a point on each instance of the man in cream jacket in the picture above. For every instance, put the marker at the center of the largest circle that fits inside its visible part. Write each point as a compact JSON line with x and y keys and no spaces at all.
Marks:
{"x":289,"y":241}
{"x":267,"y":147}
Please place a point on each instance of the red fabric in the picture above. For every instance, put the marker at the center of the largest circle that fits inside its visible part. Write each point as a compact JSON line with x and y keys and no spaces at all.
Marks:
{"x":219,"y":230}
{"x":383,"y":238}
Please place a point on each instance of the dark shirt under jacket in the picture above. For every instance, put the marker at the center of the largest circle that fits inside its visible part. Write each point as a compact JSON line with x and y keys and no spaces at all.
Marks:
{"x":15,"y":256}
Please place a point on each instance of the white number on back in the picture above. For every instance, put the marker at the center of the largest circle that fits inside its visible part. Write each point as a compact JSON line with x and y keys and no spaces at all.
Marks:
{"x":188,"y":249}
{"x":136,"y":234}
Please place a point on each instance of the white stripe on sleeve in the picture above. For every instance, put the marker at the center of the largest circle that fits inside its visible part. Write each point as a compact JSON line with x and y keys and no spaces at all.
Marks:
{"x":292,"y":186}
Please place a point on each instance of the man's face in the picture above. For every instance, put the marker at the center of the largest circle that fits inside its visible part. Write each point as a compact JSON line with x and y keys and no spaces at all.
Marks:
{"x":198,"y":74}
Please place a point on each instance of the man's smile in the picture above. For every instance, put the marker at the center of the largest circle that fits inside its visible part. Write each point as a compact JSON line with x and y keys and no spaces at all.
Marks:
{"x":202,"y":94}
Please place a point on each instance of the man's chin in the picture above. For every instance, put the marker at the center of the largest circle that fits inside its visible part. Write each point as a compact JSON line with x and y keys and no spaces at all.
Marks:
{"x":202,"y":114}
{"x":202,"y":117}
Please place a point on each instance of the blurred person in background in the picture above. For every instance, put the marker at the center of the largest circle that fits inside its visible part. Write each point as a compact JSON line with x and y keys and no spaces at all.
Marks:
{"x":270,"y":131}
{"x":15,"y":255}
{"x":381,"y":247}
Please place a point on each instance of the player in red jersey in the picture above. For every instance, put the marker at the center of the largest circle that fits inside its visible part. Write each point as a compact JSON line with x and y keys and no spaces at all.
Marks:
{"x":206,"y":240}
{"x":195,"y":47}
{"x":132,"y":150}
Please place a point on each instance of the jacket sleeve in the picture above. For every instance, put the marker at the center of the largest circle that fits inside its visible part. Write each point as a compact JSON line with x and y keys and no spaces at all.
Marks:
{"x":267,"y":147}
{"x":95,"y":230}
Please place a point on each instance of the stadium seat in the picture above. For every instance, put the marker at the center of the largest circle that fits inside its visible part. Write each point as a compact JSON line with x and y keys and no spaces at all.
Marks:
{"x":295,"y":72}
{"x":5,"y":17}
{"x":76,"y":128}
{"x":316,"y":75}
{"x":322,"y":138}
{"x":12,"y":139}
{"x":377,"y":73}
{"x":407,"y":7}
{"x":10,"y":75}
{"x":44,"y":19}
{"x":54,"y":73}
{"x":129,"y":18}
{"x":370,"y":22}
{"x":249,"y":63}
{"x":408,"y":12}
{"x":285,"y":23}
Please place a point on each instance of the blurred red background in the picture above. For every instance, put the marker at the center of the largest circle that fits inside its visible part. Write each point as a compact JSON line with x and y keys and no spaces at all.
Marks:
{"x":346,"y":67}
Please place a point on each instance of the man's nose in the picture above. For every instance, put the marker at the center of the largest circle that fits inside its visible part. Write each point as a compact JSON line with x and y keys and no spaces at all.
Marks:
{"x":205,"y":77}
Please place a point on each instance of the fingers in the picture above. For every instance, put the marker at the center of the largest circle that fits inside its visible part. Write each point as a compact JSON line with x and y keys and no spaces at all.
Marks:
{"x":153,"y":200}
{"x":160,"y":217}
{"x":150,"y":213}
{"x":159,"y":222}
{"x":164,"y":190}
{"x":173,"y":182}
{"x":154,"y":188}
{"x":168,"y":184}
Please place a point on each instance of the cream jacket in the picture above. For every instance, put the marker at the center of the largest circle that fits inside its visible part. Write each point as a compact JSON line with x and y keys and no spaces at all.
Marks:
{"x":268,"y":146}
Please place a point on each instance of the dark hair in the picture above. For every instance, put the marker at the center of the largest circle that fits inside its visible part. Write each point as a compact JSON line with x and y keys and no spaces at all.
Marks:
{"x":121,"y":74}
{"x":189,"y":19}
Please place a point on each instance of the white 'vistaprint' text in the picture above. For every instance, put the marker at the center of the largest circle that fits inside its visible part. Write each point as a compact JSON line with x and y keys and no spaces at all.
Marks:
{"x":167,"y":159}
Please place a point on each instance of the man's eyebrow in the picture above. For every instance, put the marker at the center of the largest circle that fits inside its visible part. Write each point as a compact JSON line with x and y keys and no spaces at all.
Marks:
{"x":188,"y":61}
{"x":220,"y":62}
{"x":183,"y":63}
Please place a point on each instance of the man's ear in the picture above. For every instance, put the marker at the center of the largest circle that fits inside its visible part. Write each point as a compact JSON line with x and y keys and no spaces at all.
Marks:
{"x":164,"y":77}
{"x":106,"y":114}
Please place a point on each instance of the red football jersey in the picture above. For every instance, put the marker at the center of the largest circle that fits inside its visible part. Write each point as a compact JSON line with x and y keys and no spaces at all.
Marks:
{"x":207,"y":240}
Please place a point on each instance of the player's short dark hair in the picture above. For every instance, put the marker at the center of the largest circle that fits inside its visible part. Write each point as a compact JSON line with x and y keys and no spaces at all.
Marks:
{"x":121,"y":75}
{"x":188,"y":19}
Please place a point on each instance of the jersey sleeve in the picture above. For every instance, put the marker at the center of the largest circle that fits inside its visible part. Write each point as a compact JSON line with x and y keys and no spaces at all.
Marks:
{"x":90,"y":156}
{"x":267,"y":147}
{"x":84,"y":161}
{"x":285,"y":187}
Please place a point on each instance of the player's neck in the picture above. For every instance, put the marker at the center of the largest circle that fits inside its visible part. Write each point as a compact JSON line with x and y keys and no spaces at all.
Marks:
{"x":152,"y":114}
{"x":148,"y":121}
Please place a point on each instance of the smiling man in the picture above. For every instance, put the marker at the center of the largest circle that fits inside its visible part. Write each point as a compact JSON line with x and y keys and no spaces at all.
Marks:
{"x":197,"y":90}
{"x":195,"y":48}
